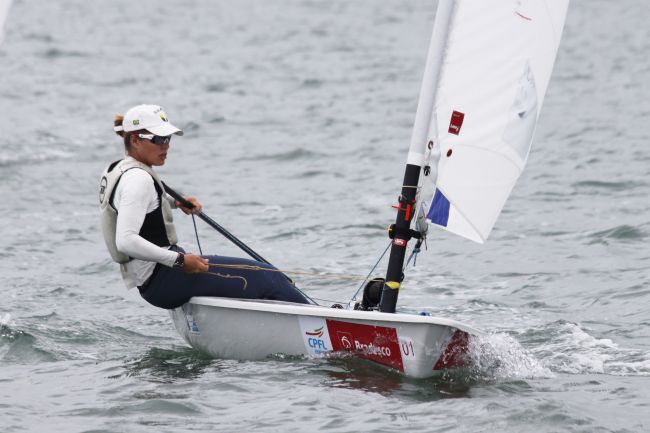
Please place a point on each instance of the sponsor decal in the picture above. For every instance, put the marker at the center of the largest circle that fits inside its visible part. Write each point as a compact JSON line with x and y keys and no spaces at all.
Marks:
{"x":376,"y":343}
{"x":314,"y":340}
{"x":315,"y":336}
{"x":102,"y":188}
{"x":455,"y":353}
{"x":316,"y":333}
{"x":345,"y":338}
{"x":399,"y":242}
{"x":189,"y":319}
{"x":456,"y":122}
{"x":406,"y":346}
{"x":136,"y":122}
{"x":317,"y":345}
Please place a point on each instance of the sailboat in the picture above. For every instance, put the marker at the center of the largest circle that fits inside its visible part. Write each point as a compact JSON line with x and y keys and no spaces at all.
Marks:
{"x":488,"y":66}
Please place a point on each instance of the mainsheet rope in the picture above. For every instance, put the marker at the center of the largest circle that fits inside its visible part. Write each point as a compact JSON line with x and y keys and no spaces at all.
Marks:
{"x":354,"y":298}
{"x":196,"y":232}
{"x":318,"y":274}
{"x":284,"y":271}
{"x":229,"y":276}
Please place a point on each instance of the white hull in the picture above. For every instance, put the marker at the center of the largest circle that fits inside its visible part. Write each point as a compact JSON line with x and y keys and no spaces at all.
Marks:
{"x":417,"y":346}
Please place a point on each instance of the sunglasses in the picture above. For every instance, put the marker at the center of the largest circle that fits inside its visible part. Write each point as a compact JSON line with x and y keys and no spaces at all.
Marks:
{"x":156,"y":139}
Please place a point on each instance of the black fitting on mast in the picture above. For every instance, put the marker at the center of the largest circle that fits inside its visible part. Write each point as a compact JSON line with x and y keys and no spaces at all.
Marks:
{"x":400,"y":233}
{"x":408,"y":234}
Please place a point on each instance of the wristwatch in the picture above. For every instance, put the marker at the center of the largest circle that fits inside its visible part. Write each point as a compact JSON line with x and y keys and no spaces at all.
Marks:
{"x":180,"y":261}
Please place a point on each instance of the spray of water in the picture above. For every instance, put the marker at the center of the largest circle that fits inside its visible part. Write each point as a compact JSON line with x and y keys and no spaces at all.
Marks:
{"x":501,"y":357}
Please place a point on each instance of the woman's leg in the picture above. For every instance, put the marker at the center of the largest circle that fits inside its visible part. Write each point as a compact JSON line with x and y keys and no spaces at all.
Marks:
{"x":171,"y":287}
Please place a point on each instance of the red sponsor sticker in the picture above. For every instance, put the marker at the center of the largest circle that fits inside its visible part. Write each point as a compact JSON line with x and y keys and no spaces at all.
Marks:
{"x":455,"y":353}
{"x":456,"y":122}
{"x":399,"y":242}
{"x":376,"y":343}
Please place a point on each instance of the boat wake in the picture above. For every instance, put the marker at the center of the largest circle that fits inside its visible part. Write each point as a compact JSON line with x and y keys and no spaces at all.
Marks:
{"x":557,"y":348}
{"x":168,"y":364}
{"x":18,"y":346}
{"x":573,"y":350}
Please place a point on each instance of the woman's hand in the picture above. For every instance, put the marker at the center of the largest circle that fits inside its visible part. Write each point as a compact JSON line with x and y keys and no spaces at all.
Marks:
{"x":194,"y":264}
{"x":195,"y":210}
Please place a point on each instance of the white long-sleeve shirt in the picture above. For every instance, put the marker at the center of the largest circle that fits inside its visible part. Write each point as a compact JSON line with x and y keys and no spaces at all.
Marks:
{"x":135,"y":197}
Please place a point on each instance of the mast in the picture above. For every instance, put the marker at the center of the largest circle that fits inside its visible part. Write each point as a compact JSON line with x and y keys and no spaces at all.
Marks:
{"x":423,"y":130}
{"x":400,"y":232}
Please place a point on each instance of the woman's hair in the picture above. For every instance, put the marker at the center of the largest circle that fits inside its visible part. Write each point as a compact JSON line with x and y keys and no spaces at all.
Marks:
{"x":119,"y":119}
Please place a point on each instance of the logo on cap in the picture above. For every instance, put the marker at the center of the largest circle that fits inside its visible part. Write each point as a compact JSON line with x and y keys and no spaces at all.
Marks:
{"x":164,"y":117}
{"x":136,"y":122}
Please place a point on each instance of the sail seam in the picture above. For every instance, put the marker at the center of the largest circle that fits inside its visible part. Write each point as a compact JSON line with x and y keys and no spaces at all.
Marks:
{"x":492,"y":151}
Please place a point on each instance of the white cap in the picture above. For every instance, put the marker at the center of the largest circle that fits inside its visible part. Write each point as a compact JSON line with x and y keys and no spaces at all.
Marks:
{"x":150,"y":117}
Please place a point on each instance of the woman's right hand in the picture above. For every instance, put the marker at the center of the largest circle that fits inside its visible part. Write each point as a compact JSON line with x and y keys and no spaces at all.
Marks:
{"x":194,"y":264}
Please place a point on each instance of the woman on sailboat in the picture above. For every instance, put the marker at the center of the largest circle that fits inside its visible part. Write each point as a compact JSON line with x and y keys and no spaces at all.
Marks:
{"x":136,"y":218}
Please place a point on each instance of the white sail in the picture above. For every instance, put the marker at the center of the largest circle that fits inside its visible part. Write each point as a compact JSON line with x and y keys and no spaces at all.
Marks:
{"x":484,"y":84}
{"x":4,"y":11}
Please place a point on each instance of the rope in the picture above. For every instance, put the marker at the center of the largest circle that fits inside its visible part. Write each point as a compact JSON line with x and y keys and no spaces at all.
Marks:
{"x":414,"y":255}
{"x":354,"y":298}
{"x":417,"y":249}
{"x":255,"y":268}
{"x":319,"y":274}
{"x":283,"y":271}
{"x":330,"y":301}
{"x":229,"y":276}
{"x":196,"y":232}
{"x":260,"y":268}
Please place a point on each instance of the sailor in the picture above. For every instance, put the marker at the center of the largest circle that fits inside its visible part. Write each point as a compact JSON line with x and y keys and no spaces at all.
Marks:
{"x":137,"y":224}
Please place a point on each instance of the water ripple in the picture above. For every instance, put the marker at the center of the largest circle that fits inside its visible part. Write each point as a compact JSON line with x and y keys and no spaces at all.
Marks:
{"x":596,"y":185}
{"x":292,"y":155}
{"x":623,"y":233}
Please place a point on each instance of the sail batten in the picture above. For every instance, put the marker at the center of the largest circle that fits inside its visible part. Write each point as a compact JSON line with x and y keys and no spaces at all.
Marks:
{"x":491,"y":66}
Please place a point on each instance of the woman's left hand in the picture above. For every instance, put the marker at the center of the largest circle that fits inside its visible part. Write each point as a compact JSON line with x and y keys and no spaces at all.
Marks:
{"x":194,"y":264}
{"x":195,"y":210}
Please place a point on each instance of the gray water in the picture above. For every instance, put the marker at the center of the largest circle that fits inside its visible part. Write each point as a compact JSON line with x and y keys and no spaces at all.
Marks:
{"x":298,"y":117}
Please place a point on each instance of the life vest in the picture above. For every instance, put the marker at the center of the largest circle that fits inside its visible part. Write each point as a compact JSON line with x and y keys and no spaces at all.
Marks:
{"x":158,"y":226}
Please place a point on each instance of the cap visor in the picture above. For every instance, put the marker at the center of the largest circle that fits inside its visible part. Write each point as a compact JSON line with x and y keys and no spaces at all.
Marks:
{"x":165,"y":129}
